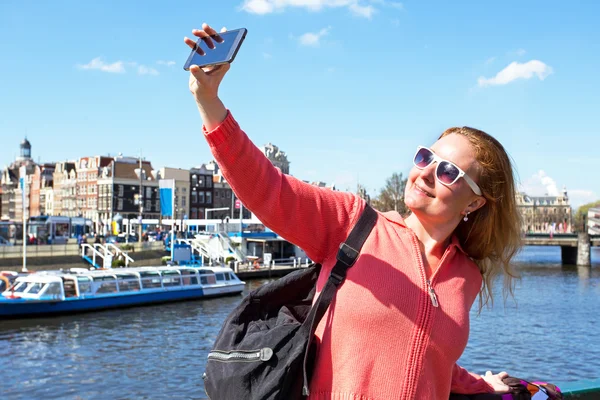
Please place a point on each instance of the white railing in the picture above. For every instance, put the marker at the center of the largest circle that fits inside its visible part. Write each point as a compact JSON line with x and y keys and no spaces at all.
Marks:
{"x":199,"y":248}
{"x":227,"y":244}
{"x":85,"y":252}
{"x":117,"y":252}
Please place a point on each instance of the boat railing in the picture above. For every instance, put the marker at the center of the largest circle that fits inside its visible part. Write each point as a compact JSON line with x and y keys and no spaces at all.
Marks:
{"x":91,"y":254}
{"x":116,"y":252}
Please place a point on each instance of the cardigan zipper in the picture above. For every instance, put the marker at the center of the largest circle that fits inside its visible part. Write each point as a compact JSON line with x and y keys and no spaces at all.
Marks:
{"x":432,"y":295}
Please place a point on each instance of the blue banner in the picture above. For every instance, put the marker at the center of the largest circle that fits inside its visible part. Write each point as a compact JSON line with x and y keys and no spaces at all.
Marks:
{"x":166,"y":202}
{"x":166,"y":189}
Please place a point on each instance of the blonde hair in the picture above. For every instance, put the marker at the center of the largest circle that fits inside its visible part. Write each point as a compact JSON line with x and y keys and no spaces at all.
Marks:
{"x":491,"y":236}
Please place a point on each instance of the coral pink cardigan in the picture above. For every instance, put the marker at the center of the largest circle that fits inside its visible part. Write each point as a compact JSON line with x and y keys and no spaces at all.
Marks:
{"x":383,"y":337}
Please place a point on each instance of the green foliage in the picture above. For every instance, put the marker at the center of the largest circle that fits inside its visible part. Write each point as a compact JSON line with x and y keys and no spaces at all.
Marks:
{"x":118,"y":263}
{"x":391,"y":197}
{"x":581,"y":213}
{"x":126,"y":247}
{"x":164,"y":260}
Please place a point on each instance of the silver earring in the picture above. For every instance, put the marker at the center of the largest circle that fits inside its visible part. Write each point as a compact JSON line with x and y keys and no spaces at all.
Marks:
{"x":466,"y":218}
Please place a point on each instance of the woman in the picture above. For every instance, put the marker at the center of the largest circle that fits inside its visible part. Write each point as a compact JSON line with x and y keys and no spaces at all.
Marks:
{"x":400,"y":321}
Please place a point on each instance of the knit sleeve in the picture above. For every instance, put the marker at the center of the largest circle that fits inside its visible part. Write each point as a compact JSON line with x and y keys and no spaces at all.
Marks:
{"x":465,"y":382}
{"x":315,"y":219}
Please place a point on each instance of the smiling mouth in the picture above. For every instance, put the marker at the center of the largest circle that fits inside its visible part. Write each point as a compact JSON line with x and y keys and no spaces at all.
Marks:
{"x":424,"y":191}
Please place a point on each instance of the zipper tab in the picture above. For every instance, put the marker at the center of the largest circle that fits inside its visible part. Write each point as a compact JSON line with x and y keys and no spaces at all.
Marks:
{"x":263,"y":354}
{"x":434,"y":299}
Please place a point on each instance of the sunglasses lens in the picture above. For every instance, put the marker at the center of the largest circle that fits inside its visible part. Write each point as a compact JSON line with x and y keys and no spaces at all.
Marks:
{"x":447,"y":173}
{"x":423,"y":158}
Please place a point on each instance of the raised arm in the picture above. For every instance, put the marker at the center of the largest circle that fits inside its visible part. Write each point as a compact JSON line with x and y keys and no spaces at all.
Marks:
{"x":315,"y":219}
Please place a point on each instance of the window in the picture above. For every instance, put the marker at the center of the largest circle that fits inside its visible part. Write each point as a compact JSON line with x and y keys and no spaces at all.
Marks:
{"x":194,"y":180}
{"x":171,"y":278}
{"x":201,"y":200}
{"x":194,"y":197}
{"x":148,"y":205}
{"x":220,"y":277}
{"x":119,"y":204}
{"x":194,"y":213}
{"x":201,"y":181}
{"x":121,"y":189}
{"x":148,"y":192}
{"x":53,"y":289}
{"x":208,"y":198}
{"x":183,"y":201}
{"x":229,"y":194}
{"x":209,"y":181}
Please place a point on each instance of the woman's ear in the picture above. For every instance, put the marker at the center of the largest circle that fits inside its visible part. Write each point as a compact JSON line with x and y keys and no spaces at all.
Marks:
{"x":476,"y":204}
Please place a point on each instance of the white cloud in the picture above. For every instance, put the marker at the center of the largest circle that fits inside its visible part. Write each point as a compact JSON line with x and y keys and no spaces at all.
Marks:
{"x":167,"y":63}
{"x":313,"y":39}
{"x":120,"y":67}
{"x":520,"y":52}
{"x":579,"y":197}
{"x":357,"y":7}
{"x":362,"y":11}
{"x":516,"y":71}
{"x":143,"y":70}
{"x":116,"y":68}
{"x":540,"y":184}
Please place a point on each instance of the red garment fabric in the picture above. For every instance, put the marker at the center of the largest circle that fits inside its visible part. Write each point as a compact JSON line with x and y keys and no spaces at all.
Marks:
{"x":382,"y":337}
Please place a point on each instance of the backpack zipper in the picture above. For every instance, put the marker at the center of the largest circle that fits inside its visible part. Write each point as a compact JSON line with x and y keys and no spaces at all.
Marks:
{"x":263,"y":354}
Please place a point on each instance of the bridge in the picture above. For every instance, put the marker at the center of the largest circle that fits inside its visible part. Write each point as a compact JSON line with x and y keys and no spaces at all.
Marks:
{"x":575,"y":247}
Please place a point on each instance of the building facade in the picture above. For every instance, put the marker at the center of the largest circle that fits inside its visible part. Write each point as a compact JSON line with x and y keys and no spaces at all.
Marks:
{"x":65,"y":189}
{"x":12,"y":203}
{"x":201,"y":192}
{"x":545,"y":214}
{"x":593,"y":221}
{"x":277,"y":157}
{"x":119,"y":194}
{"x":182,"y":189}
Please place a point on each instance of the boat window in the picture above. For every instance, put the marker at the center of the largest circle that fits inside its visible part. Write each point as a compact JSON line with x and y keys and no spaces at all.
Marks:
{"x":128,"y":285}
{"x":227,"y":277}
{"x":205,"y":272}
{"x":147,"y":274}
{"x":208,"y":279}
{"x":151,"y":282}
{"x":53,"y":289}
{"x":85,"y":284}
{"x":34,"y":287}
{"x":189,"y":277}
{"x":19,"y":287}
{"x":169,"y":281}
{"x":220,"y":277}
{"x":107,"y":287}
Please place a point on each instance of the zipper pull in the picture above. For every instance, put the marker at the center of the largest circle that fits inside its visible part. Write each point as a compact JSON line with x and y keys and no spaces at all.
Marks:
{"x":434,"y":299}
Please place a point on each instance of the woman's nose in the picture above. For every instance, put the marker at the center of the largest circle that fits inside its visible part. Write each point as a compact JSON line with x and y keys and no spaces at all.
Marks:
{"x":428,"y":173}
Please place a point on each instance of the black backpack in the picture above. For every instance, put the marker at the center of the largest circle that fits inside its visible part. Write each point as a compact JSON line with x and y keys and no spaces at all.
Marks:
{"x":263,"y":350}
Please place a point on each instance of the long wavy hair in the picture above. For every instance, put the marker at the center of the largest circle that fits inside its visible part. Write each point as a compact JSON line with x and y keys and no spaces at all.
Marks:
{"x":492,"y":235}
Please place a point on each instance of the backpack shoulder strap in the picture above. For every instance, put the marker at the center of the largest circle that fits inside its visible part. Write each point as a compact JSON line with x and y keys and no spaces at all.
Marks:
{"x":346,"y":257}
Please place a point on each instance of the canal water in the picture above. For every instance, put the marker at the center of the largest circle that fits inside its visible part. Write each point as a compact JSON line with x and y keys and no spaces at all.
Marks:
{"x":551,"y":331}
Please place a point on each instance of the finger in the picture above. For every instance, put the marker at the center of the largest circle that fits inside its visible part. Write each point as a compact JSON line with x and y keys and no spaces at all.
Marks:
{"x":213,"y":34}
{"x":198,"y":73}
{"x":194,"y":46}
{"x":488,"y":373}
{"x":205,"y":37}
{"x":218,"y":70}
{"x":503,"y":375}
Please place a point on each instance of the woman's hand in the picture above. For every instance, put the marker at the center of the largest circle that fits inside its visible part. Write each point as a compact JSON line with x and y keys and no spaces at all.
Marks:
{"x":204,"y":82}
{"x":495,"y":381}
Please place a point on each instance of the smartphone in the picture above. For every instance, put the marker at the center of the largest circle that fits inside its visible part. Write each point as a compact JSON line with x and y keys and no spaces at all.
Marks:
{"x":226,"y":46}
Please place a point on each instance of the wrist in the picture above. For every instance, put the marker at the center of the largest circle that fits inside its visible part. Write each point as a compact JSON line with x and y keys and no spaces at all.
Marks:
{"x":212,"y":111}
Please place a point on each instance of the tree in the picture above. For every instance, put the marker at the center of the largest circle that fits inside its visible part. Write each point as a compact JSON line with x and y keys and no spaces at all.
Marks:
{"x":391,"y":196}
{"x":580,"y":216}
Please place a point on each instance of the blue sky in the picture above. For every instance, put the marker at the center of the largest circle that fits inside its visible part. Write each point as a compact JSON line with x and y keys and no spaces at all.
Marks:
{"x":347,"y":88}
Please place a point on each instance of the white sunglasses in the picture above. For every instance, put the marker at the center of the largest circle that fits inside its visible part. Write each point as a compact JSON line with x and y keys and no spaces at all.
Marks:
{"x":449,"y":172}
